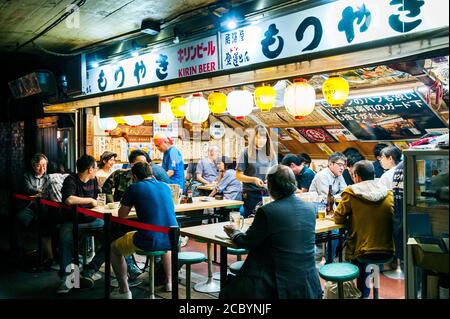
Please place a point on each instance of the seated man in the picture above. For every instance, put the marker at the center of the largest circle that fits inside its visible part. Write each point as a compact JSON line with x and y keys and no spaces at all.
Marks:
{"x":367,"y":208}
{"x":332,"y":175}
{"x":207,"y":171}
{"x":114,"y":188}
{"x":33,"y":183}
{"x":278,"y":266}
{"x":303,"y":174}
{"x":153,"y":202}
{"x":79,"y":189}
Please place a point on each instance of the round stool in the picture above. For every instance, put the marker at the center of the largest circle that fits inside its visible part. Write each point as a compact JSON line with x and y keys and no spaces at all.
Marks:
{"x":339,"y":273}
{"x":374,"y":261}
{"x":236,"y":266}
{"x":189,"y":258}
{"x":209,"y":285}
{"x":238,"y":252}
{"x":151,"y":267}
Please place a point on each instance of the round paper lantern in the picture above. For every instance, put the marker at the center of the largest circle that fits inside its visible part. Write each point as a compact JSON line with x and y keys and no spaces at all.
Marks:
{"x":148,"y":117}
{"x":335,"y":90}
{"x":217,"y":102}
{"x":178,"y":106}
{"x":197,"y":110}
{"x":119,"y":120}
{"x":134,"y":120}
{"x":239,"y":103}
{"x":265,"y":98}
{"x":299,"y":99}
{"x":165,"y":116}
{"x":107,"y":124}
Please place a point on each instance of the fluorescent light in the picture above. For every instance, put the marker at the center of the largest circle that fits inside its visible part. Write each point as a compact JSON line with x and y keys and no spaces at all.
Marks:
{"x":231,"y":24}
{"x":95,"y":65}
{"x":135,"y":54}
{"x":397,"y":92}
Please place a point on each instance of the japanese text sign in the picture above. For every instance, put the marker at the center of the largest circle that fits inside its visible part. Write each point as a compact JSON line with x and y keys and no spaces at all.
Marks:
{"x":399,"y":116}
{"x":330,"y":26}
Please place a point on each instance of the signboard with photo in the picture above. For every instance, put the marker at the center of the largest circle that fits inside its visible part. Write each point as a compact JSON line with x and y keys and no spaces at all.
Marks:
{"x":296,"y":135}
{"x":401,"y":116}
{"x":316,"y":135}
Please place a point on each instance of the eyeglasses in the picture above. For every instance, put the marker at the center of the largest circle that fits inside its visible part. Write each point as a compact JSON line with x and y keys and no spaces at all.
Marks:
{"x":341,"y":165}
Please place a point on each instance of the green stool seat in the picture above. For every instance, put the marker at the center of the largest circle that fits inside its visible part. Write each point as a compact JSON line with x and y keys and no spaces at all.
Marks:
{"x":233,"y":207}
{"x":237,"y":251}
{"x":188,"y":258}
{"x":339,"y":272}
{"x":236,"y":266}
{"x":155,"y":253}
{"x":151,"y":267}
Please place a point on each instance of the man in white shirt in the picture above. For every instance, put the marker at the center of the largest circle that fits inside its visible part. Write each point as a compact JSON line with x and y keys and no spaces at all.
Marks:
{"x":332,"y":175}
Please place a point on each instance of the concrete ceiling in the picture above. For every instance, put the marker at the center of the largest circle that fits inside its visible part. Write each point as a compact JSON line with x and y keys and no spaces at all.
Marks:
{"x":21,"y":20}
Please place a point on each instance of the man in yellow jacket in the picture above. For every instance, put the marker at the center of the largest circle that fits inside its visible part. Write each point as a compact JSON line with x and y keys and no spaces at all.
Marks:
{"x":367,"y":209}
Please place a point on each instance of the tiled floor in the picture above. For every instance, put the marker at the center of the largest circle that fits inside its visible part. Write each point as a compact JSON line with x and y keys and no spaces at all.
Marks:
{"x":17,"y":283}
{"x":389,"y":288}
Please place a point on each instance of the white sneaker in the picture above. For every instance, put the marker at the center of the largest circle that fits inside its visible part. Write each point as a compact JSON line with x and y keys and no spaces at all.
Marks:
{"x":63,"y":288}
{"x":168,"y":287}
{"x":121,"y":295}
{"x":184,"y":241}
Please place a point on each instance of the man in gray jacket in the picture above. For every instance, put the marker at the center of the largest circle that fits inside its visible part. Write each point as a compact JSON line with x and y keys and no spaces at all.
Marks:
{"x":280,"y":263}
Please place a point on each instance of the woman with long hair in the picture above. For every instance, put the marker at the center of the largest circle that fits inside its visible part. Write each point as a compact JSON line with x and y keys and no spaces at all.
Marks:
{"x":253,"y":164}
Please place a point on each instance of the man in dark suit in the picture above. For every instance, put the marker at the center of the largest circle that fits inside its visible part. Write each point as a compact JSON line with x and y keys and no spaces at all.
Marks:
{"x":281,"y":241}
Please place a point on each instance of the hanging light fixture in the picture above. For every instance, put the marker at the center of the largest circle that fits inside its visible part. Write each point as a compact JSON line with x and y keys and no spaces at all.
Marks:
{"x":134,"y":120}
{"x":165,"y":116}
{"x":197,"y":110}
{"x":265,"y":98}
{"x":148,"y":117}
{"x":178,"y":106}
{"x":239,"y":103}
{"x":217,"y":102}
{"x":299,"y":99}
{"x":107,"y":124}
{"x":335,"y":90}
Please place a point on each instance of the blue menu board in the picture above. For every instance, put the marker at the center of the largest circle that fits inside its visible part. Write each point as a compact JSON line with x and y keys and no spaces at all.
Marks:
{"x":402,"y":116}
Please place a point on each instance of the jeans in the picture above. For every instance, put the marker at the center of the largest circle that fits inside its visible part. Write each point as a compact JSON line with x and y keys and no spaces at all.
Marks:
{"x":66,"y":246}
{"x":251,"y":199}
{"x":361,"y":280}
{"x":334,"y":244}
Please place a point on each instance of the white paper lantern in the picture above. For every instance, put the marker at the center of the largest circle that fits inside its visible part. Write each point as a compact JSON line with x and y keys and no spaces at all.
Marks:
{"x":134,"y":120}
{"x":299,"y":99}
{"x":239,"y":103}
{"x":165,"y":115}
{"x":107,"y":124}
{"x":197,"y":110}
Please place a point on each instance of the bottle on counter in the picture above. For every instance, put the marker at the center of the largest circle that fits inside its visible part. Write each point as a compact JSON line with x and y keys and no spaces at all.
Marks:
{"x":189,"y":196}
{"x":330,"y":200}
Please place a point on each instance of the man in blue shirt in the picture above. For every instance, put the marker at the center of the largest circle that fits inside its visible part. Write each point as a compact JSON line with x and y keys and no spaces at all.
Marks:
{"x":172,"y":161}
{"x":154,"y":205}
{"x":303,"y":174}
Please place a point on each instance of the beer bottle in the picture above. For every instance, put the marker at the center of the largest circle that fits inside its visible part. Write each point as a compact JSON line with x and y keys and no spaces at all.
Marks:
{"x":330,"y":200}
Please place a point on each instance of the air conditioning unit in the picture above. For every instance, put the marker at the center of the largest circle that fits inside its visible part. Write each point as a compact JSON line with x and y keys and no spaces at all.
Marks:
{"x":150,"y":27}
{"x":39,"y":82}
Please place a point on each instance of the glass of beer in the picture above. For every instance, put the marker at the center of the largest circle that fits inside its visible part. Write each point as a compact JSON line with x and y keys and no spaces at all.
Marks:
{"x":101,"y":199}
{"x":237,"y":220}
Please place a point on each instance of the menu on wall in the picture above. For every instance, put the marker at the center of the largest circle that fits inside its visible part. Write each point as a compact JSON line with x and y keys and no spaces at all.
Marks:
{"x":401,"y":116}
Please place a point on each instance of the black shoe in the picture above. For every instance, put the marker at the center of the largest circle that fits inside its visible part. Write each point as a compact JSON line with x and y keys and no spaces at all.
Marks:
{"x":86,"y":283}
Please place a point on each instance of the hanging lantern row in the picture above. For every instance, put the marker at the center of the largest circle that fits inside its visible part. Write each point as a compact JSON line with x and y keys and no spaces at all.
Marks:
{"x":299,"y":101}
